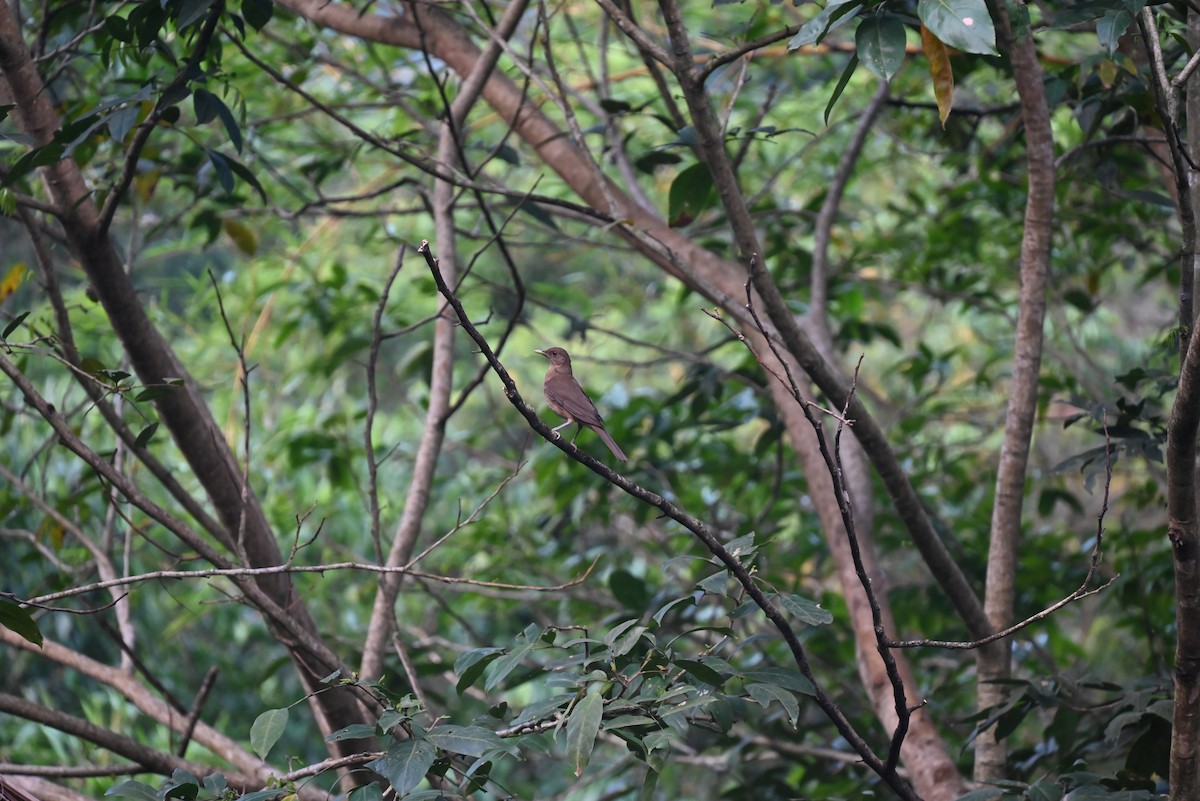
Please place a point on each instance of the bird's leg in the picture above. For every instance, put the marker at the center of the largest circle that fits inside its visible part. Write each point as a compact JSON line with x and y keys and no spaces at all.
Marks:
{"x":554,"y":430}
{"x":575,"y":436}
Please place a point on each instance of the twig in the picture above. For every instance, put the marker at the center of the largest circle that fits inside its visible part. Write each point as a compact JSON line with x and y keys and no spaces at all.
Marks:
{"x":693,"y":524}
{"x":1082,"y":592}
{"x":245,"y":572}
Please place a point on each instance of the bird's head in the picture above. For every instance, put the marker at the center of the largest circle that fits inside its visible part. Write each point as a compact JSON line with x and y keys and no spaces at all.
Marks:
{"x":557,"y":356}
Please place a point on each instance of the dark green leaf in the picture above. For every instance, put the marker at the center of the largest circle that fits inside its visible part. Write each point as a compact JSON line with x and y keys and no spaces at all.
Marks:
{"x":701,"y":671}
{"x":582,"y":726}
{"x":691,"y":192}
{"x":807,"y":611}
{"x":629,"y":589}
{"x":134,"y":790}
{"x":257,"y":12}
{"x":784,"y":677}
{"x":764,"y":694}
{"x":835,"y":14}
{"x":964,"y":24}
{"x":355,"y":731}
{"x":144,"y":436}
{"x":14,"y":324}
{"x":405,"y":763}
{"x":469,"y":740}
{"x":469,"y":666}
{"x":19,"y":620}
{"x":190,"y":11}
{"x":880,"y":43}
{"x":847,"y":74}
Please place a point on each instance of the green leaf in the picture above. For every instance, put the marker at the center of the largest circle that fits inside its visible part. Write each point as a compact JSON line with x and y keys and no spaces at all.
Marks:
{"x":134,"y":790}
{"x":629,"y":589}
{"x":847,"y":74}
{"x":145,"y":435}
{"x":265,"y":795}
{"x":964,"y":24}
{"x":507,"y":663}
{"x":701,"y":671}
{"x":470,"y":740}
{"x":355,"y":731}
{"x":582,"y":726}
{"x":266,"y":731}
{"x":14,"y":325}
{"x":764,"y":694}
{"x":648,"y":785}
{"x":784,"y":677}
{"x":20,"y":620}
{"x":257,"y":12}
{"x":835,"y":14}
{"x":805,"y":610}
{"x":692,"y":192}
{"x":368,"y":792}
{"x":405,"y":763}
{"x":880,"y":43}
{"x":1111,"y":27}
{"x":470,"y":666}
{"x":190,"y":11}
{"x":1044,"y":790}
{"x":624,"y":644}
{"x":209,"y":107}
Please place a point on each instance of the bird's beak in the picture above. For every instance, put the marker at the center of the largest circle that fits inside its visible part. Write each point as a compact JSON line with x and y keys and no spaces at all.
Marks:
{"x":541,"y":352}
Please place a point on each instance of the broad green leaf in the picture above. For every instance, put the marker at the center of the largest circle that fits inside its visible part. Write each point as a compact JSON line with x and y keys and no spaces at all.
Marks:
{"x":964,"y":24}
{"x":257,"y":12}
{"x":266,"y":731}
{"x":629,"y":589}
{"x":266,"y":795}
{"x":134,"y":790}
{"x":701,"y":671}
{"x":940,"y":71}
{"x":405,"y":763}
{"x":788,"y":678}
{"x":470,"y":740}
{"x":805,"y":610}
{"x":835,"y":14}
{"x":209,"y":107}
{"x":692,"y":192}
{"x":355,"y":731}
{"x":368,"y":792}
{"x":469,"y":666}
{"x":880,"y":43}
{"x":145,"y":435}
{"x":507,"y":663}
{"x":582,"y":726}
{"x":646,"y":793}
{"x":192,"y":10}
{"x":19,"y":620}
{"x":1111,"y":27}
{"x":764,"y":694}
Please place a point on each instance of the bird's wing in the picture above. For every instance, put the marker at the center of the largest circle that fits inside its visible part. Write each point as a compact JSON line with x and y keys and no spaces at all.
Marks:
{"x":568,"y":395}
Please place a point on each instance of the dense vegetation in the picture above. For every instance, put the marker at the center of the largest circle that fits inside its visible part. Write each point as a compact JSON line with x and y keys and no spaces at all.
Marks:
{"x":889,"y":303}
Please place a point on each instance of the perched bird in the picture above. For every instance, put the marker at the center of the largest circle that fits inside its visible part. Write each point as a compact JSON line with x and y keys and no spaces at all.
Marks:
{"x":568,"y":400}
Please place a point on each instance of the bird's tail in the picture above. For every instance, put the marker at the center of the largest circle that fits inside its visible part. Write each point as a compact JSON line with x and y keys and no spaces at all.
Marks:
{"x":612,"y":444}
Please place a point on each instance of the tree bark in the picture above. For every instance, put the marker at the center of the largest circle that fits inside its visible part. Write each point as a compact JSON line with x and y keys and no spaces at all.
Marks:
{"x":183,"y":412}
{"x":994,"y":661}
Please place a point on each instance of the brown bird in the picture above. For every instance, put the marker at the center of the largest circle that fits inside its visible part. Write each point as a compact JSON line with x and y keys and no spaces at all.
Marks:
{"x":568,"y":400}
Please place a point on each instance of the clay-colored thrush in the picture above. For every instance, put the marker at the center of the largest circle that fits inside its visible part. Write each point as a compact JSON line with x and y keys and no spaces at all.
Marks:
{"x":568,"y":400}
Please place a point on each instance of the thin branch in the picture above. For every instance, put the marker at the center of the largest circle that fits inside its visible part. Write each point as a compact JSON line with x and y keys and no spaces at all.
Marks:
{"x":688,"y":521}
{"x":244,"y":572}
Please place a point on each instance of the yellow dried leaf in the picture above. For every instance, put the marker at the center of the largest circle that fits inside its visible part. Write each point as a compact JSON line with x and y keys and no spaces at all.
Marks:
{"x":940,"y":71}
{"x":12,"y":279}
